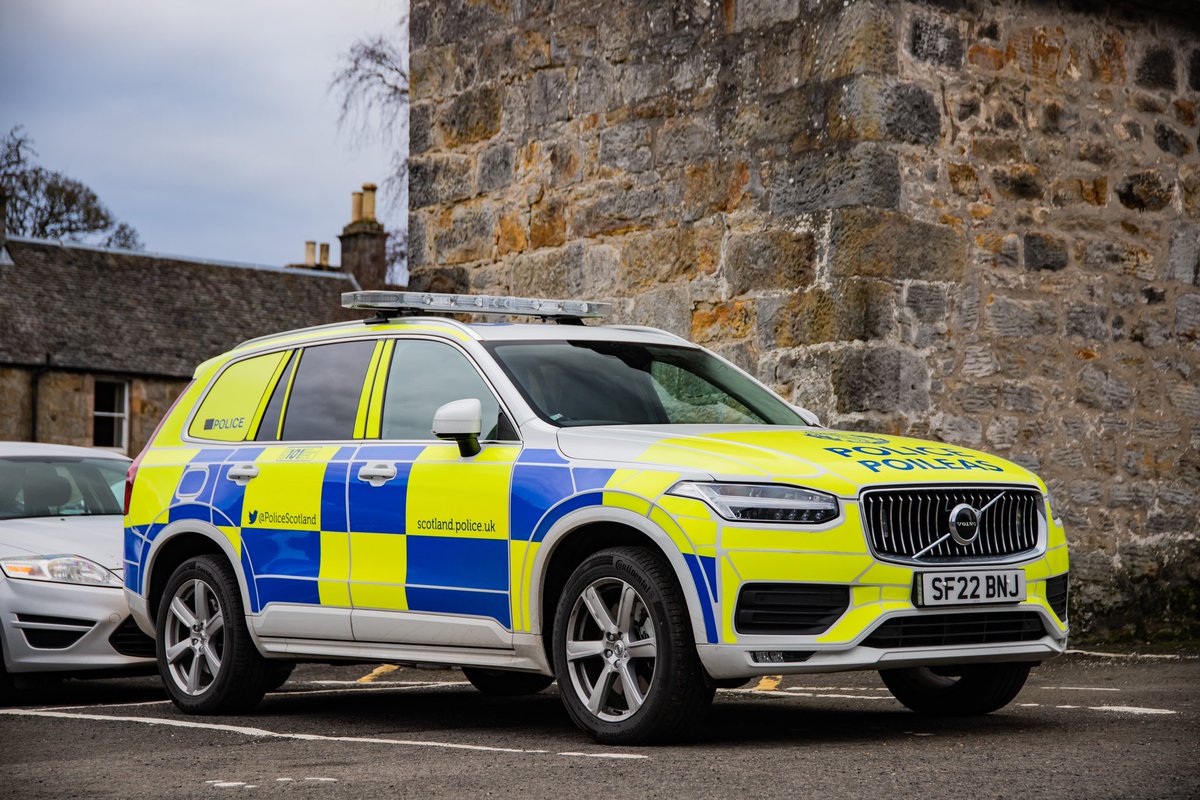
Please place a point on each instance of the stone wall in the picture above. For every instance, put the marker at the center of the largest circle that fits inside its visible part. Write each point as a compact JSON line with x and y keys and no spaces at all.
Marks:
{"x":65,"y":403}
{"x":977,"y":222}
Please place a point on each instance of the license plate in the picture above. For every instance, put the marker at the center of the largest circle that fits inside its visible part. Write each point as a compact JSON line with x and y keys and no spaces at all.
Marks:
{"x":969,"y":588}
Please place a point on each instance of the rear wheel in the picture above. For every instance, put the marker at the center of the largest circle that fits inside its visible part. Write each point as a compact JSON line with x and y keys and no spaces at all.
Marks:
{"x":624,"y":653}
{"x":966,"y":691}
{"x":504,"y":683}
{"x":278,"y":673}
{"x":208,"y":663}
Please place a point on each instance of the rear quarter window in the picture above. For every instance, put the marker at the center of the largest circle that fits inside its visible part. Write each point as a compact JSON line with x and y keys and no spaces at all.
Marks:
{"x":228,"y":411}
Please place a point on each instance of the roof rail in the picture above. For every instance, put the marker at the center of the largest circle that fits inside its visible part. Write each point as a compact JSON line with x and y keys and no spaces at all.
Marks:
{"x":392,"y":304}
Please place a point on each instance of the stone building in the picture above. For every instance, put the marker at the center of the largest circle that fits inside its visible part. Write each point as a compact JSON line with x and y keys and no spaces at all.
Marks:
{"x":977,"y":222}
{"x":95,"y":344}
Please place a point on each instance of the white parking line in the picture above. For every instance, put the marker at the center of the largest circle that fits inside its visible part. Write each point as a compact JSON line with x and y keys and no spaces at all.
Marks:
{"x":348,"y":688}
{"x":1078,"y":688}
{"x":1133,"y":710}
{"x":303,"y":737}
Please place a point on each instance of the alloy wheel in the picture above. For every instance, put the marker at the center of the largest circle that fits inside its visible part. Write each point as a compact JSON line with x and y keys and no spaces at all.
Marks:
{"x":611,"y":650}
{"x":195,"y":637}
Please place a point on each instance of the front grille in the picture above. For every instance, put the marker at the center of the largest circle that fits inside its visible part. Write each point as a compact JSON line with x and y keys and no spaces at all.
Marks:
{"x":940,"y":630}
{"x":796,"y":609}
{"x":902,"y":523}
{"x":128,"y":640}
{"x":1056,"y":595}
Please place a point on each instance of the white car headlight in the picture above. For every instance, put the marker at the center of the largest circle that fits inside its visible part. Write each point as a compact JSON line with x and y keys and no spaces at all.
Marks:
{"x":762,"y":502}
{"x":60,"y":569}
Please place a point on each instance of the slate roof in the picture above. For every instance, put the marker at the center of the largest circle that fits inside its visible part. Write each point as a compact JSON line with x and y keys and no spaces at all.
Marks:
{"x":148,"y":314}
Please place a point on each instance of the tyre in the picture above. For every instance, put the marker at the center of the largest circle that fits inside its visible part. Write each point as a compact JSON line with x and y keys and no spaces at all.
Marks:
{"x":278,"y":673}
{"x":504,"y":683}
{"x":966,"y":691}
{"x":624,"y":653}
{"x":8,"y":689}
{"x":207,"y":661}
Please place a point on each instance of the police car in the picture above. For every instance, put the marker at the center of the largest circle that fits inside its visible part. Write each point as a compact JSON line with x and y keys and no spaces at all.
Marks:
{"x":609,"y":506}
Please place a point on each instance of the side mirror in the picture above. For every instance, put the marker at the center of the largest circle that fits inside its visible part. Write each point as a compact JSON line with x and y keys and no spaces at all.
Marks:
{"x":809,"y":417}
{"x":461,"y":421}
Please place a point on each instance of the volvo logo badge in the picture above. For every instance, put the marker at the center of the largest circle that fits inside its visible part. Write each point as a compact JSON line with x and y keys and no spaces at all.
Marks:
{"x":964,"y":524}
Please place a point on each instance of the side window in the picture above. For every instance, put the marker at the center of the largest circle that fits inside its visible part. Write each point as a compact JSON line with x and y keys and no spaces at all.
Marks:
{"x":227,"y":411}
{"x":426,"y":375}
{"x":322,"y":401}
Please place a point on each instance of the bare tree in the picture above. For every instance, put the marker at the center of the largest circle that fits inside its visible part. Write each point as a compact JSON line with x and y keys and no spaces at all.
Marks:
{"x":46,"y":204}
{"x":373,"y":87}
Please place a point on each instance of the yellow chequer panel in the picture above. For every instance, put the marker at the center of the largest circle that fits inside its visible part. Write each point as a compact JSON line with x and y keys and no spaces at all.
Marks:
{"x":335,"y":569}
{"x":440,"y":479}
{"x":792,"y":566}
{"x":378,"y":570}
{"x":521,"y":555}
{"x":230,"y":407}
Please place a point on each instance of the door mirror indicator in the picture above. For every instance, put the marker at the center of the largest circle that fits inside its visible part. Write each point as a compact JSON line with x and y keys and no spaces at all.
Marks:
{"x":461,"y":421}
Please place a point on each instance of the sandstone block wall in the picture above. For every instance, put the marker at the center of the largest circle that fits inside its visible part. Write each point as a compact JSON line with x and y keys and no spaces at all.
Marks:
{"x":977,"y":222}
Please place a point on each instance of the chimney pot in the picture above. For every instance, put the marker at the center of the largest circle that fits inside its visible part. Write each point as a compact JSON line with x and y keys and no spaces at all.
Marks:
{"x":356,"y":206}
{"x":368,"y":202}
{"x":310,"y":253}
{"x":324,"y":262}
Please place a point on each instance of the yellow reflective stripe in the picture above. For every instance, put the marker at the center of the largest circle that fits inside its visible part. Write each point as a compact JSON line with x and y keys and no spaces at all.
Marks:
{"x":375,"y":402}
{"x":287,"y":395}
{"x":266,"y":398}
{"x":366,"y":392}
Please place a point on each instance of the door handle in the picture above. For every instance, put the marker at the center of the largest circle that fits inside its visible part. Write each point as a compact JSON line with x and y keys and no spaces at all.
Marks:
{"x":377,"y":474}
{"x":242,"y":473}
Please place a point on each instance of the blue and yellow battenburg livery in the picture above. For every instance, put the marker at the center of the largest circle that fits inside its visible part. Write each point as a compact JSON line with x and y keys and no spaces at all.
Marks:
{"x":407,"y":550}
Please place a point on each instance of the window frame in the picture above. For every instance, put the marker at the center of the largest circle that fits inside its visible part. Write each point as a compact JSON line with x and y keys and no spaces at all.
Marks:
{"x":123,"y":415}
{"x":474,"y":365}
{"x":299,"y":346}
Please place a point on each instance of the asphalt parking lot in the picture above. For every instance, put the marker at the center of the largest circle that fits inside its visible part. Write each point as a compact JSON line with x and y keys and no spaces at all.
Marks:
{"x":1084,"y":726}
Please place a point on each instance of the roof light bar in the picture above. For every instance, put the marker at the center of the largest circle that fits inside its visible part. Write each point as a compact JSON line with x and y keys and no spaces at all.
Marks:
{"x":474,"y":304}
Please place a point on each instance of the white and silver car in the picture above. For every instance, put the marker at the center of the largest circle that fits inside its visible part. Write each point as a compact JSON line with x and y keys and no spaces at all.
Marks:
{"x":62,"y":607}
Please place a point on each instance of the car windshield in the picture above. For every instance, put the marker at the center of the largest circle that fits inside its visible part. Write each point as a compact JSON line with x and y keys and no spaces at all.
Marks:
{"x":40,"y":486}
{"x":628,"y":383}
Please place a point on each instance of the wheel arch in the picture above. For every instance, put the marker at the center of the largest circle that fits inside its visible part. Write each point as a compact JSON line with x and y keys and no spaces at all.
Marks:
{"x":583,"y":533}
{"x":176,"y":544}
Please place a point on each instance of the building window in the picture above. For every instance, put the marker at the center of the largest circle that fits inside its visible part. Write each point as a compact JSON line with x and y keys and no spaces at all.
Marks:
{"x":110,"y":415}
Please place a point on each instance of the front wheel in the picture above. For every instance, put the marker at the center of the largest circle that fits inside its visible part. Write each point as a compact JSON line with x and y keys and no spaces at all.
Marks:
{"x":624,"y":653}
{"x":208,"y":663}
{"x":965,"y":691}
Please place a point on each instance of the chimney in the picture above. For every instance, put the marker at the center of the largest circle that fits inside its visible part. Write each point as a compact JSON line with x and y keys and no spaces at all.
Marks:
{"x":364,"y":241}
{"x":368,"y":202}
{"x":324,"y":262}
{"x":310,"y":254}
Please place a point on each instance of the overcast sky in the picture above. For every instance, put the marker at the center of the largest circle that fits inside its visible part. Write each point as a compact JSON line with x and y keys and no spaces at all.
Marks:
{"x":205,"y":124}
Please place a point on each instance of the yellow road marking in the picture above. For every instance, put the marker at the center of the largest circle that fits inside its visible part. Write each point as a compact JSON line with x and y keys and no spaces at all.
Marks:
{"x":768,"y":683}
{"x":382,"y":669}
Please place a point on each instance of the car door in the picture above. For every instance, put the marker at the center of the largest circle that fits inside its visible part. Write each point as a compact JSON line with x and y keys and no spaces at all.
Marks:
{"x":293,"y":515}
{"x":429,"y":537}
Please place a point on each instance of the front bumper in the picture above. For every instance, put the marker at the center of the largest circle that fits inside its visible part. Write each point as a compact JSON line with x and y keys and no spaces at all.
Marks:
{"x":808,"y":655}
{"x":60,"y":611}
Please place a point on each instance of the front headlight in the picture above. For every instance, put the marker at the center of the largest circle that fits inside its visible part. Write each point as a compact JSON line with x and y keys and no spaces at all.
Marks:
{"x":60,"y":569}
{"x":762,"y":502}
